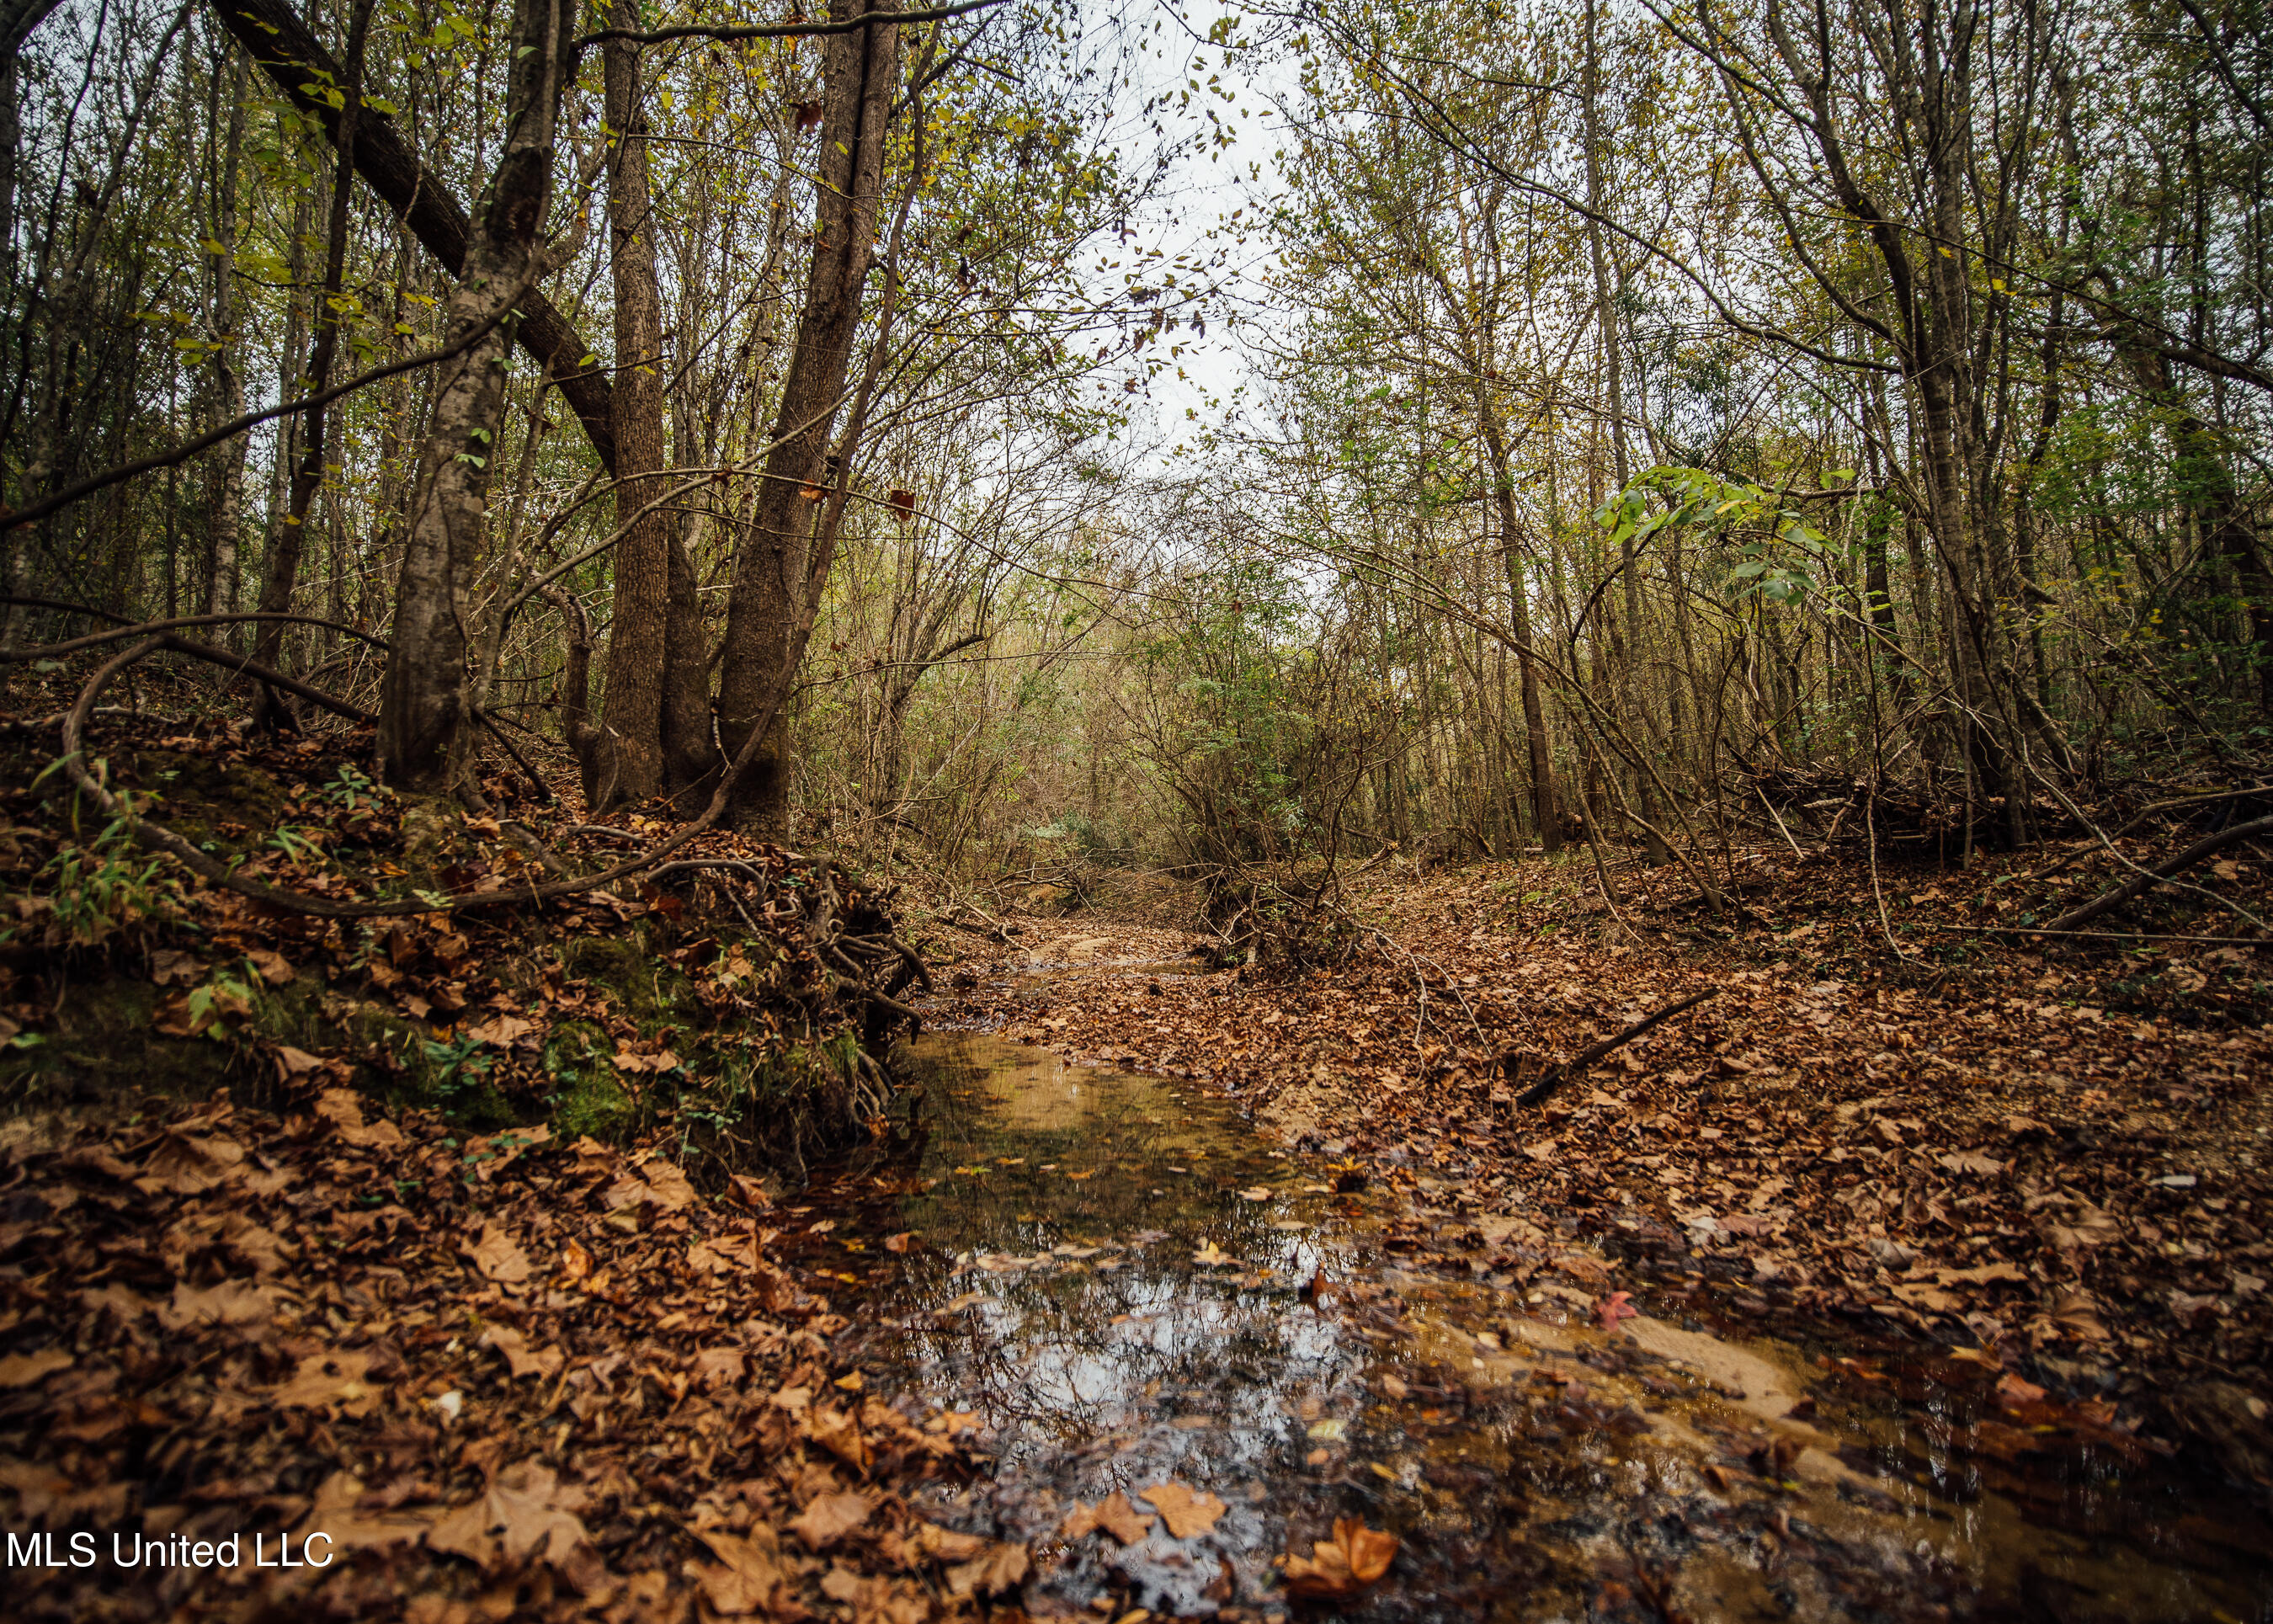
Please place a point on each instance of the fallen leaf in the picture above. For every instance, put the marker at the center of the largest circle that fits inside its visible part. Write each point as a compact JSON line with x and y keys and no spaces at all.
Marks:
{"x":338,"y":1513}
{"x":324,"y":1380}
{"x":275,"y":969}
{"x":1114,"y":1515}
{"x":829,"y":1517}
{"x":342,"y":1108}
{"x":232,"y":1302}
{"x":23,"y":1370}
{"x":1001,"y":1568}
{"x":839,"y":1433}
{"x":748,"y":1573}
{"x":941,"y":1544}
{"x":518,"y":1358}
{"x":499,"y":1257}
{"x":1212,"y":1256}
{"x":500,"y":1031}
{"x":291,"y":1063}
{"x":1987,"y":1273}
{"x":1259,"y":1193}
{"x":1355,"y":1558}
{"x":899,"y":1243}
{"x":1613,"y":1308}
{"x":672,"y":1192}
{"x":527,"y":1511}
{"x":184,"y":1164}
{"x":1971,"y":1161}
{"x":1185,"y":1512}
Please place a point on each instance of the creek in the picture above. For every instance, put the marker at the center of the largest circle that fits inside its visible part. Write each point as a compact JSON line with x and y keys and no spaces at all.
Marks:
{"x":1123,"y":1284}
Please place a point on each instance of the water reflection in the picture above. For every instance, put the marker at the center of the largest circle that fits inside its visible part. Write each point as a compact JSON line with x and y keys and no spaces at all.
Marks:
{"x":1130,"y":1288}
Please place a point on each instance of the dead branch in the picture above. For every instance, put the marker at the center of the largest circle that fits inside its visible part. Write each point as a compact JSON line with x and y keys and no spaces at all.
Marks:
{"x":1557,"y":1076}
{"x":2139,"y":884}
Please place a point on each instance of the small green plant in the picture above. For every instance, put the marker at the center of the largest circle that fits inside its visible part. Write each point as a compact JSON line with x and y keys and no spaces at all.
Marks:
{"x":96,"y":891}
{"x":459,"y":1066}
{"x":296,"y":843}
{"x":350,"y":789}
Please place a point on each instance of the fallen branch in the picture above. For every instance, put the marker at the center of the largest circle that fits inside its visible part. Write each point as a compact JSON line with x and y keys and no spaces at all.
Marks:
{"x":2139,"y":884}
{"x":1557,"y":1076}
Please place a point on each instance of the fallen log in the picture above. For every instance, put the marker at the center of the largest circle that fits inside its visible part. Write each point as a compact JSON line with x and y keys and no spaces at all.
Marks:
{"x":2139,"y":884}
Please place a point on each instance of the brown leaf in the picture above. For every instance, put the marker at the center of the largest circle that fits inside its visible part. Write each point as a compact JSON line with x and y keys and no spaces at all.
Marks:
{"x":232,"y":1302}
{"x":184,"y":1164}
{"x":1185,"y":1512}
{"x":1355,"y":1558}
{"x":518,"y":1358}
{"x":672,"y":1192}
{"x":941,"y":1544}
{"x":342,"y":1108}
{"x":323,"y":1380}
{"x":830,"y":1518}
{"x":338,"y":1512}
{"x":1971,"y":1161}
{"x":1002,"y":1567}
{"x":1114,"y":1515}
{"x":169,"y":967}
{"x":838,"y":1433}
{"x":752,"y":1573}
{"x":24,"y":1370}
{"x":526,"y":1512}
{"x":1987,"y":1275}
{"x":499,"y":1257}
{"x":275,"y":969}
{"x":720,"y":1367}
{"x":291,"y":1063}
{"x":499,"y":1030}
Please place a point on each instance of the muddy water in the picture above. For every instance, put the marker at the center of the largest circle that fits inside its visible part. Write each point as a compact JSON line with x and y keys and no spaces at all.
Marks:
{"x":1126,"y":1286}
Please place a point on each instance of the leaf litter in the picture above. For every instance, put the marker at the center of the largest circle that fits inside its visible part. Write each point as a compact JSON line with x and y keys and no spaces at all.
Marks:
{"x":494,"y":1400}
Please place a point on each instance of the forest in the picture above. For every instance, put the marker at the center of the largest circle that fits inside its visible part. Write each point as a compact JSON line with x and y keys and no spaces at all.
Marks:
{"x":1058,"y":807}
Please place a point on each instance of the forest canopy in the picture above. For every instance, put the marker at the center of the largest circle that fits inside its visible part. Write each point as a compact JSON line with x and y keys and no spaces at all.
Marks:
{"x":1620,"y":422}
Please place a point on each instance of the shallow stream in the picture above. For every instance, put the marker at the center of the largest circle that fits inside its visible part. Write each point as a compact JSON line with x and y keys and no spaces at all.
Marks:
{"x":1126,"y":1286}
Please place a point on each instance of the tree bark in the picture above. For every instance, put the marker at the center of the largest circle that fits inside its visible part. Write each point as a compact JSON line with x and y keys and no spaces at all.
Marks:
{"x":282,"y":572}
{"x":622,"y":758}
{"x":225,"y":464}
{"x":423,"y":700}
{"x":770,"y":583}
{"x":1543,"y":811}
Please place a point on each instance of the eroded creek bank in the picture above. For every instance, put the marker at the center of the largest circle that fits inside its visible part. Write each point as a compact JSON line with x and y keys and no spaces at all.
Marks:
{"x":1128,"y":1287}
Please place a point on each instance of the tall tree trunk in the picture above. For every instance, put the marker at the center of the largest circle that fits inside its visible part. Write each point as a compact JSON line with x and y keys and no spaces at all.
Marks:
{"x":622,"y":758}
{"x":225,"y":463}
{"x":1543,"y":812}
{"x":768,"y":602}
{"x":422,"y":701}
{"x":283,"y":565}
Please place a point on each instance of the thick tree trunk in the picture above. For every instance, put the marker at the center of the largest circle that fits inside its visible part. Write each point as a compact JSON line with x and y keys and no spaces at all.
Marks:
{"x":770,"y":574}
{"x":423,"y":700}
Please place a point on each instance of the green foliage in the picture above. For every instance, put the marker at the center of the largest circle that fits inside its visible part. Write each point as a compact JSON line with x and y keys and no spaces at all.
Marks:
{"x":1774,"y":554}
{"x":101,"y":891}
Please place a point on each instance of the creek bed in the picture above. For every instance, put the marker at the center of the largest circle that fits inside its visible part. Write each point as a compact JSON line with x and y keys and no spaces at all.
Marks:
{"x":1124,"y":1285}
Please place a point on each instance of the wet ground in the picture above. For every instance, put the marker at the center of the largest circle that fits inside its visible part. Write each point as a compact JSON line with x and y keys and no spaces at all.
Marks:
{"x":1132,"y":1290}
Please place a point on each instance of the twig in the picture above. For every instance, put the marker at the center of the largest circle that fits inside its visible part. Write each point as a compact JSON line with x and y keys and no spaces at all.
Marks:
{"x":1559,"y":1075}
{"x":2100,"y":936}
